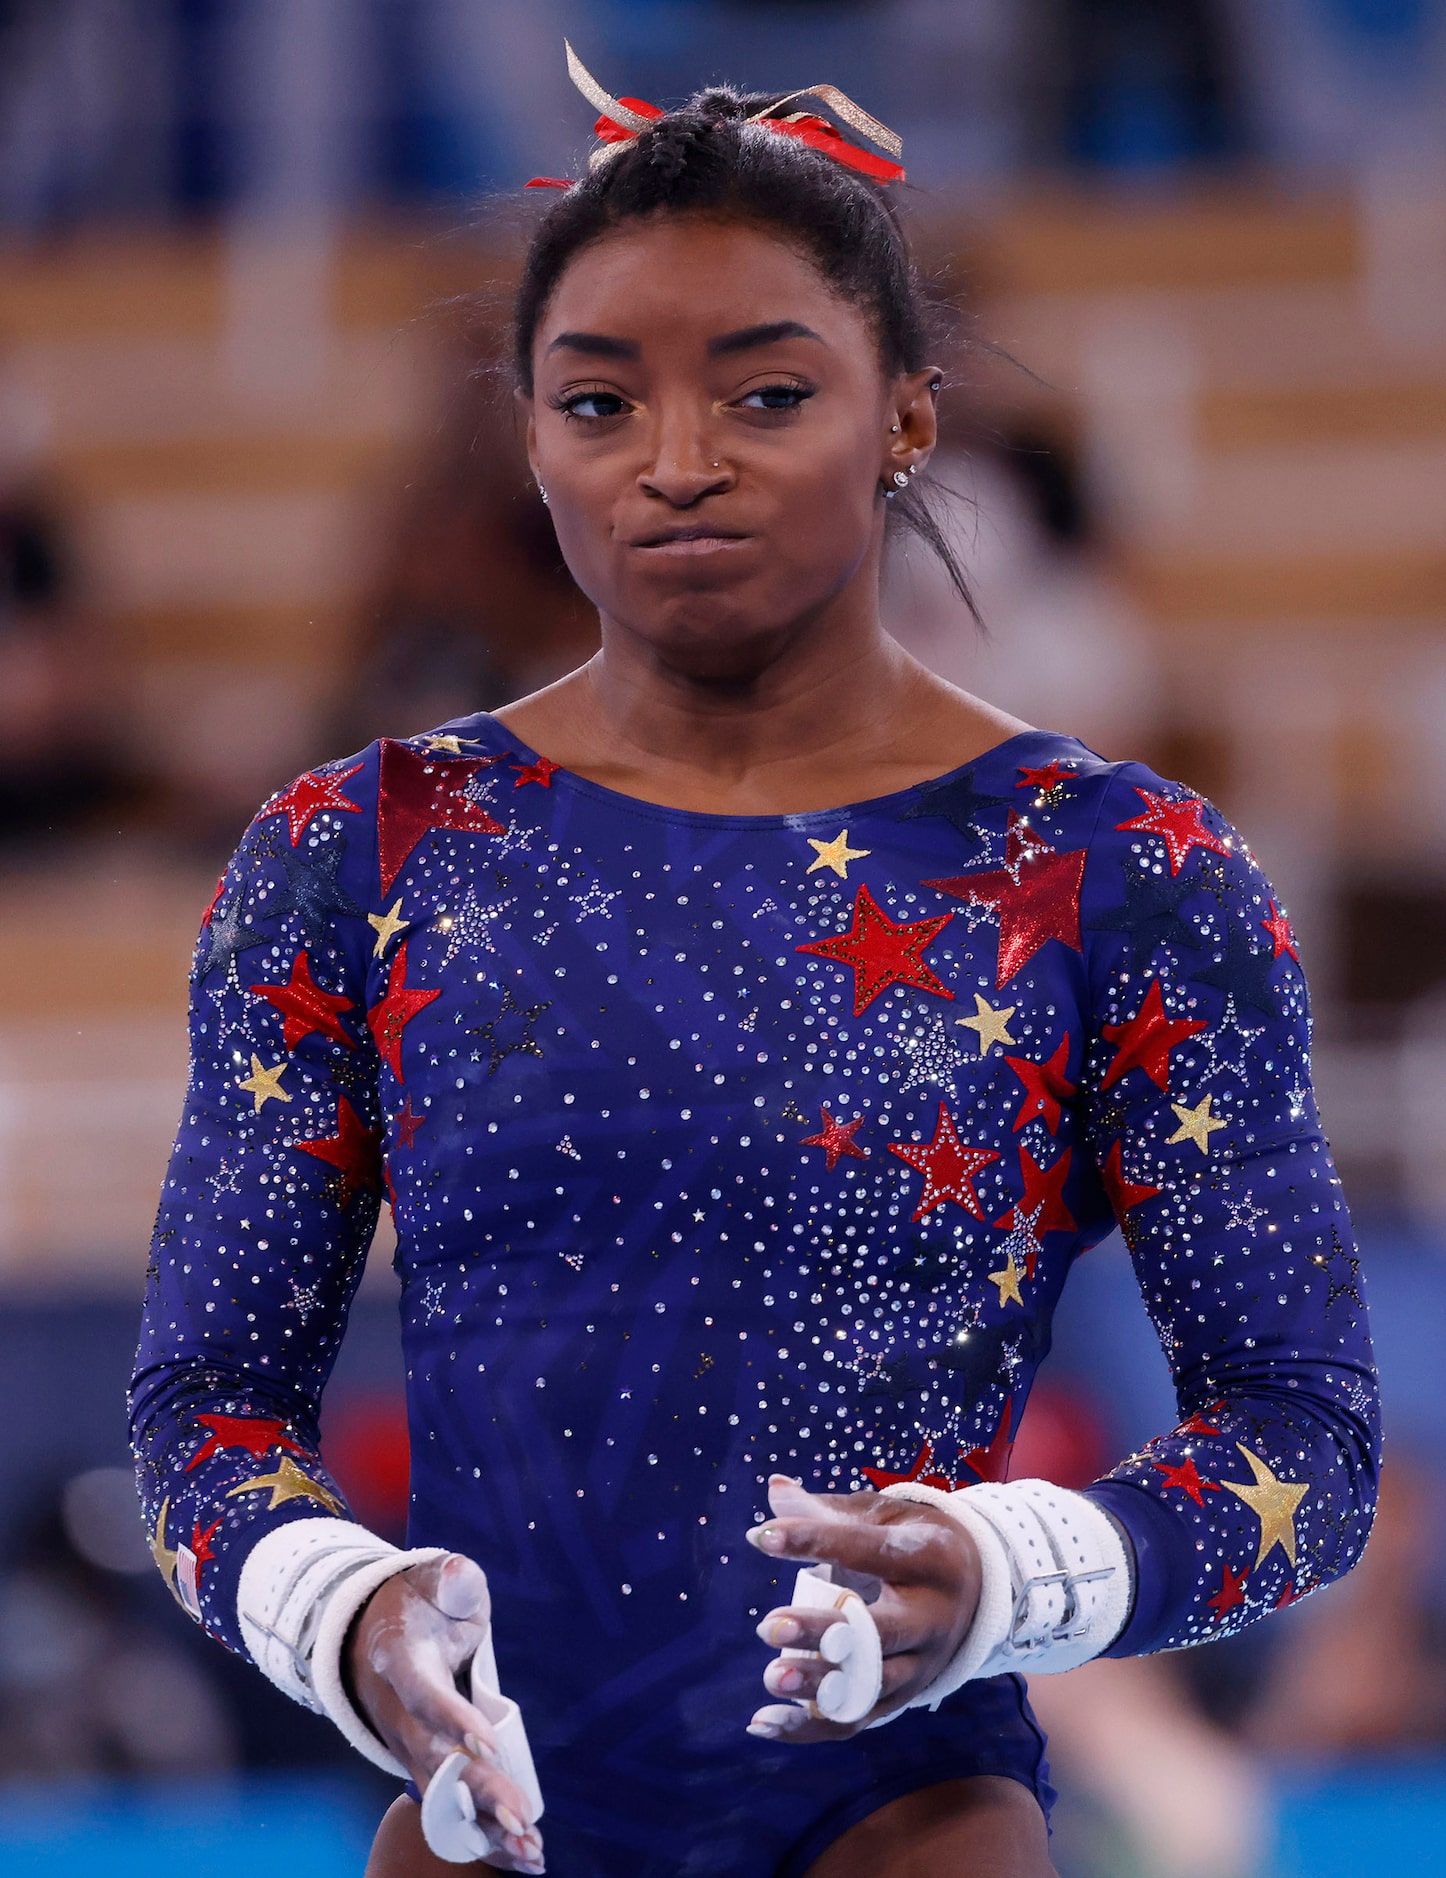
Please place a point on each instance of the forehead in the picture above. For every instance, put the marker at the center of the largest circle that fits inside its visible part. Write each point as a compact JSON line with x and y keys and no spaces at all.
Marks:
{"x":678,"y":280}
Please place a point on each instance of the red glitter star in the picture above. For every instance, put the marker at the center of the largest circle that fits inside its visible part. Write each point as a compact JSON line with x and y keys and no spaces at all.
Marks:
{"x":1187,"y":1478}
{"x":1178,"y":825}
{"x":254,"y":1433}
{"x":542,"y":771}
{"x":882,"y":952}
{"x":1049,"y":777}
{"x":201,"y":1545}
{"x":881,"y":1477}
{"x":305,"y":1007}
{"x":407,"y":1124}
{"x":1044,"y":1196}
{"x":992,"y":1463}
{"x":352,"y":1151}
{"x":1230,"y":1595}
{"x":1125,"y":1194}
{"x":1045,"y":1087}
{"x":837,"y":1139}
{"x":1036,"y":893}
{"x":948,"y":1167}
{"x":1147,"y":1040}
{"x":418,"y":793}
{"x":1197,"y":1424}
{"x":1278,"y":926}
{"x":307,"y":797}
{"x":388,"y":1019}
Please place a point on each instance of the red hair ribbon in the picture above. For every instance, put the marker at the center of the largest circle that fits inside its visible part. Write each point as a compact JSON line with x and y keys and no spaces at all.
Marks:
{"x":623,"y":118}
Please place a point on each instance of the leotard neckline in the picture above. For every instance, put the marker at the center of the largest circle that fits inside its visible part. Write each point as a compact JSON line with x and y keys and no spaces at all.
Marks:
{"x":896,"y":800}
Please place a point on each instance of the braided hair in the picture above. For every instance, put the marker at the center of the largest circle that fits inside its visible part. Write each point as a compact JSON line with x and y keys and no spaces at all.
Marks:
{"x":708,"y":159}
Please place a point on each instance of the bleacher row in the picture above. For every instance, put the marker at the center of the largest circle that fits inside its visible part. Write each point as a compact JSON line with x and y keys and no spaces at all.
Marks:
{"x":1258,"y":383}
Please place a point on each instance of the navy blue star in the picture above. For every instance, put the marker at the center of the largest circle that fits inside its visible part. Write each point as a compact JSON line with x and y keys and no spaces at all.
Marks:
{"x":1151,"y":912}
{"x":1244,"y":971}
{"x":228,"y":935}
{"x":957,"y":802}
{"x":312,"y":890}
{"x":895,"y":1379}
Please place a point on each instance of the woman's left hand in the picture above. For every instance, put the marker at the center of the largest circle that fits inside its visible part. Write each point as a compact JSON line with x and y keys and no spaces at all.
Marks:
{"x":928,"y":1567}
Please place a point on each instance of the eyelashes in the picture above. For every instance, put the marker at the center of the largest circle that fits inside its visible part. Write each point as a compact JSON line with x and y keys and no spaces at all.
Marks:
{"x":574,"y":404}
{"x":599,"y":405}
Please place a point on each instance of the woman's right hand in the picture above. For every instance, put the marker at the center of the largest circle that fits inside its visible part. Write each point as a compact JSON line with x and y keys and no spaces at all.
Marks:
{"x":402,"y":1657}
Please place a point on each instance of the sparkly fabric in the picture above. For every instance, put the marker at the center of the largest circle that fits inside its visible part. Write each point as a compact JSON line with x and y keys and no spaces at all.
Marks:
{"x":726,"y":1144}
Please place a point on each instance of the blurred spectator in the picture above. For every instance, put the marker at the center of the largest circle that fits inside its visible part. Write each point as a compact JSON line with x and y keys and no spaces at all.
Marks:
{"x":1063,"y":647}
{"x":53,"y":740}
{"x":473,"y":606}
{"x":1361,"y":1670}
{"x":367,"y":1449}
{"x":88,"y":1685}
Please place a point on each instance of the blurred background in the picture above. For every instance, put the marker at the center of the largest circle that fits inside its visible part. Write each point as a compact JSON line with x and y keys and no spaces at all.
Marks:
{"x":261,"y":499}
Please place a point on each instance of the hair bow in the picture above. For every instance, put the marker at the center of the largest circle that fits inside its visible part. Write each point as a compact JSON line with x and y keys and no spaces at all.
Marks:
{"x":622,"y":118}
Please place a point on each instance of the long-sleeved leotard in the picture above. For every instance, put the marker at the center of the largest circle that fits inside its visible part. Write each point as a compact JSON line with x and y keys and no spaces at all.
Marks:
{"x":720,"y":1145}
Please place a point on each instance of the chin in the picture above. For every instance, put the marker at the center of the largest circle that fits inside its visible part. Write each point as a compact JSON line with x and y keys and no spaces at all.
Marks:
{"x":708,"y":636}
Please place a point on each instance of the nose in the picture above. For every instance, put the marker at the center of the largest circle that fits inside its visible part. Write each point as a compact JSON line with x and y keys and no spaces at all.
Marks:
{"x":685,"y":465}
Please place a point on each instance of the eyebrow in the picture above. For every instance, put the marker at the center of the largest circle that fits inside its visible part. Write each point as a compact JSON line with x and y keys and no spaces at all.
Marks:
{"x":600,"y":345}
{"x":747,"y":337}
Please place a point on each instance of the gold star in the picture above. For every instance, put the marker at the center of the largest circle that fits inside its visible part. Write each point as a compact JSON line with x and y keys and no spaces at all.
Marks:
{"x":1273,"y":1503}
{"x":448,"y":745}
{"x":1196,"y":1124}
{"x":289,"y":1483}
{"x":163,"y":1555}
{"x":990,"y":1025}
{"x":1008,"y":1279}
{"x":265,"y":1084}
{"x":387,"y":926}
{"x":835,"y":854}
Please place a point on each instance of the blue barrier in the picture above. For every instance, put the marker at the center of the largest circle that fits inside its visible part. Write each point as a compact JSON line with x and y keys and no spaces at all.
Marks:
{"x":243,"y":1829}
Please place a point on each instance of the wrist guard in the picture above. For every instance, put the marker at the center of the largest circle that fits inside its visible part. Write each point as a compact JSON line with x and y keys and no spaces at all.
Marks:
{"x":1055,"y":1589}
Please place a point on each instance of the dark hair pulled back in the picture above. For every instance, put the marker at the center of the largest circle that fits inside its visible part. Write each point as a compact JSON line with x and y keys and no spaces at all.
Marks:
{"x":708,"y":159}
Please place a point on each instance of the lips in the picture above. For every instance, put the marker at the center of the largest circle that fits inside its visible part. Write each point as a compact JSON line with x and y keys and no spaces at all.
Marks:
{"x":695,"y":539}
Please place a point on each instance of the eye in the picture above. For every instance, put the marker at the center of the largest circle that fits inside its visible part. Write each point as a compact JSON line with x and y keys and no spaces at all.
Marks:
{"x":592,"y":404}
{"x":776,"y":397}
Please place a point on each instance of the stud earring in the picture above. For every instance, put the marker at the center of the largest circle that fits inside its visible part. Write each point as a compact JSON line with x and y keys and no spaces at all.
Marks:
{"x":901,"y":481}
{"x":893,"y":430}
{"x":543,"y":493}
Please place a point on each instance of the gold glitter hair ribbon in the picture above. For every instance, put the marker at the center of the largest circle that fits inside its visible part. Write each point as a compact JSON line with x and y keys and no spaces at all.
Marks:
{"x":621,"y":119}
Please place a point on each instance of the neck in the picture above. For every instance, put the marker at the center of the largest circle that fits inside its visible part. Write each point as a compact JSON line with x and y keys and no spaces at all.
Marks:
{"x":832,"y":683}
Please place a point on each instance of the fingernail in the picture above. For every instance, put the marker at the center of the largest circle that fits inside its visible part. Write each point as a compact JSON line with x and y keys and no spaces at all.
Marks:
{"x":780,"y":1630}
{"x":767,"y":1538}
{"x":782,"y":1677}
{"x":479,"y":1749}
{"x":767,"y":1731}
{"x":509,"y":1822}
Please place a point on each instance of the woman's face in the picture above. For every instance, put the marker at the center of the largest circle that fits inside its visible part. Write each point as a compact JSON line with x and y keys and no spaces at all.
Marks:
{"x":712,"y":424}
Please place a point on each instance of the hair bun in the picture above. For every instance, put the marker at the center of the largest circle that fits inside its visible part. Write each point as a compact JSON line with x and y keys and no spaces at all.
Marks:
{"x":673,"y":141}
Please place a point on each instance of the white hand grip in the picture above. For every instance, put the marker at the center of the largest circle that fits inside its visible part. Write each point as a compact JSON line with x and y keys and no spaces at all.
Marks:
{"x":854,"y":1685}
{"x":449,"y":1813}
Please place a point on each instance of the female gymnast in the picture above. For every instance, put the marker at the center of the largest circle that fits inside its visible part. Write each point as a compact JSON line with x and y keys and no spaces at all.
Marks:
{"x":747,"y":1032}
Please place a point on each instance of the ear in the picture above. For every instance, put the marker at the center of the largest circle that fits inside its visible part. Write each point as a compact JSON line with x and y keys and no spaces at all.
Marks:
{"x":914,"y":409}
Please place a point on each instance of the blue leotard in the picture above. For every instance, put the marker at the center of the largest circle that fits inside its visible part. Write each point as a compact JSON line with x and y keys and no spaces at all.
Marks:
{"x":719,"y":1145}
